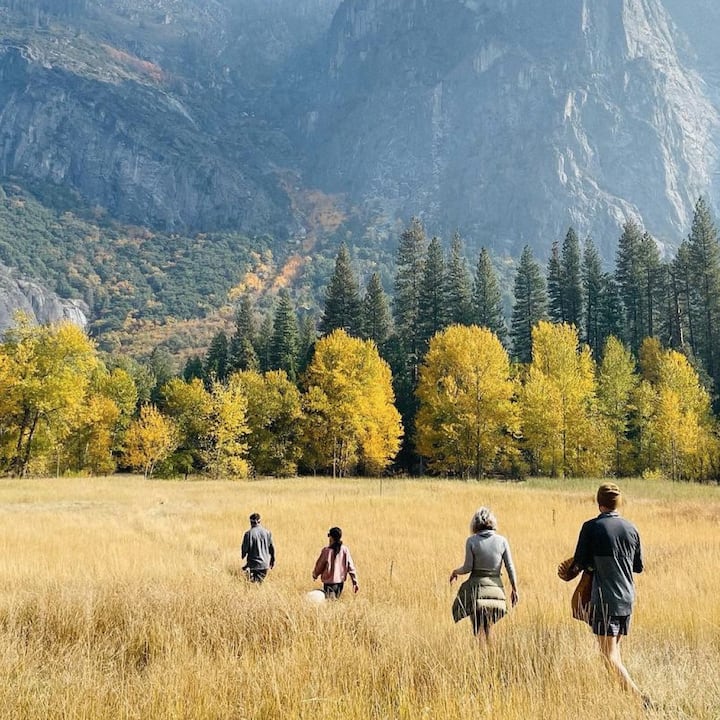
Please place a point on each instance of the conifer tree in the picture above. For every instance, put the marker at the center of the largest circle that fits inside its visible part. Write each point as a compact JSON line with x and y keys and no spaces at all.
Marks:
{"x":653,"y":287}
{"x":432,"y":302}
{"x":629,"y":271}
{"x":556,"y":286}
{"x":530,"y":305}
{"x":406,"y":298}
{"x":241,"y":353}
{"x":487,"y":307}
{"x":193,"y":368}
{"x":342,"y":298}
{"x":704,"y":264}
{"x":306,"y":342}
{"x":592,"y":280}
{"x":216,"y":360}
{"x":283,"y":351}
{"x":458,"y":292}
{"x":263,"y":344}
{"x":681,"y":279}
{"x":572,"y":279}
{"x":404,"y":347}
{"x":375,"y":313}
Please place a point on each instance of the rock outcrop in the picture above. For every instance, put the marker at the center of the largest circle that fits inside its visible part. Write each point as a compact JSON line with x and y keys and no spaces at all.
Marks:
{"x":39,"y":304}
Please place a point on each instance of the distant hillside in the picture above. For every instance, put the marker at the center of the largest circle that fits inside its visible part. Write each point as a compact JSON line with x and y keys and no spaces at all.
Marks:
{"x":152,"y":150}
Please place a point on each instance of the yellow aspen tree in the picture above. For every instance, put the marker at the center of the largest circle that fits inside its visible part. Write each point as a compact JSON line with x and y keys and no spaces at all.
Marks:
{"x":350,"y":417}
{"x":189,"y":404}
{"x":617,"y":382}
{"x":150,"y":439}
{"x":226,"y":437}
{"x":96,"y":432}
{"x":50,"y":369}
{"x":466,"y":417}
{"x":562,"y":427}
{"x":681,"y":429}
{"x":274,"y":417}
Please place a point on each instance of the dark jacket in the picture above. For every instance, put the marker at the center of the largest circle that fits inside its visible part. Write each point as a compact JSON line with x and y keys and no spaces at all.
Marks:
{"x":258,"y":548}
{"x":609,"y":546}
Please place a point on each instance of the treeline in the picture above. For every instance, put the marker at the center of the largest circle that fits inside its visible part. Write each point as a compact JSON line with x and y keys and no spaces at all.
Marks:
{"x":596,"y":373}
{"x":644,"y":302}
{"x":63,"y":409}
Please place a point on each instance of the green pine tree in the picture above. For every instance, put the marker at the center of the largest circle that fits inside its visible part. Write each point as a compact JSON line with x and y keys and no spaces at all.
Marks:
{"x":629,"y":273}
{"x":459,"y":310}
{"x":572,"y":278}
{"x":342,"y":298}
{"x":487,"y":306}
{"x":704,"y":266}
{"x":242,"y":353}
{"x":433,"y":302}
{"x":216,"y":360}
{"x":556,"y":286}
{"x":375,"y":313}
{"x":284,"y":343}
{"x":530,"y":305}
{"x":406,"y":298}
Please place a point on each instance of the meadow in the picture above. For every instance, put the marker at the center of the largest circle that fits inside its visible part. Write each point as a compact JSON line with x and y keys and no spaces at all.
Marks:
{"x":123,"y":598}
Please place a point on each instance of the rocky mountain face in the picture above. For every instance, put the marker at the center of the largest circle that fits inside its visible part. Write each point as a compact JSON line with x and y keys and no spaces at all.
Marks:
{"x":39,"y":304}
{"x":509,"y":119}
{"x":148,"y":109}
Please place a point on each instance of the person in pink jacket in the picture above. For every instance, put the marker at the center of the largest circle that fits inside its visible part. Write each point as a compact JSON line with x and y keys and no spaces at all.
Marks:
{"x":334,"y":565}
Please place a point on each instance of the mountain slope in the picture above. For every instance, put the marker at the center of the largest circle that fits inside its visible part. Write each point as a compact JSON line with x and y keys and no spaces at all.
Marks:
{"x":510,"y":120}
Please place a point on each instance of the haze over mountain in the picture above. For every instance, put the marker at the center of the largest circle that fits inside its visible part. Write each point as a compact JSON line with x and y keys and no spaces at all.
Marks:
{"x":507,"y":119}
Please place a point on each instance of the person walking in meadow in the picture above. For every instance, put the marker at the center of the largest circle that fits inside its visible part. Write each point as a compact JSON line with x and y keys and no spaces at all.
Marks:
{"x":333,"y":566}
{"x":482,"y":596}
{"x":609,"y":547}
{"x":258,"y":550}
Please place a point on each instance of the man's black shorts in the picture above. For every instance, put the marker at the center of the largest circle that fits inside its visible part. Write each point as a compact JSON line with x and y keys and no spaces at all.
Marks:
{"x":610,"y":625}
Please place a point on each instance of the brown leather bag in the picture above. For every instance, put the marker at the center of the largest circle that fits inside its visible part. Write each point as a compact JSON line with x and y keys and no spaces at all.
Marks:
{"x":580,"y":602}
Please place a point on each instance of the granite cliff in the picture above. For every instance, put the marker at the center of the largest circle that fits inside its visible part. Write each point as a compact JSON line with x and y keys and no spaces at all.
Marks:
{"x":509,"y":120}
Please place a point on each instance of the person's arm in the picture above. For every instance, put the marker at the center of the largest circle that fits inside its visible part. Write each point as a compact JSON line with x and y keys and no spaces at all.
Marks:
{"x":510,"y":567}
{"x":583,"y":557}
{"x":467,"y":566}
{"x":245,"y":545}
{"x":638,"y":565}
{"x":351,"y":569}
{"x":271,"y":550}
{"x":320,"y":564}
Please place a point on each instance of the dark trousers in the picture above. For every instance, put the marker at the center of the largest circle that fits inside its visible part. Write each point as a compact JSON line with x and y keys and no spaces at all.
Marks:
{"x":333,"y":590}
{"x":257,"y":575}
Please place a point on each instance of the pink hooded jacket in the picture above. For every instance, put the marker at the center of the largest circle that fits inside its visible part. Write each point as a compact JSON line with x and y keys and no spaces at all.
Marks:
{"x":334,"y":568}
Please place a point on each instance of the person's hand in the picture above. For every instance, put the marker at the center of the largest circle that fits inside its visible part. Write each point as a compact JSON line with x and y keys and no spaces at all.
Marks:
{"x":514,"y":597}
{"x":314,"y":577}
{"x":356,"y":588}
{"x":453,"y":577}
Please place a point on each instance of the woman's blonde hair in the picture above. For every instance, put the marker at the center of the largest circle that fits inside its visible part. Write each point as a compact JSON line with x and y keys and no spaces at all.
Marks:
{"x":483,"y":519}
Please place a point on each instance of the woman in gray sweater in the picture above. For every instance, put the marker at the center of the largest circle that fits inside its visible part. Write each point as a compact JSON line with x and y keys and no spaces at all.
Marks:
{"x":482,"y":596}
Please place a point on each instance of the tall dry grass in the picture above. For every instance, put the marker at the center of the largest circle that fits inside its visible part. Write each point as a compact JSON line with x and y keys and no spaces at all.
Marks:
{"x":121,"y":598}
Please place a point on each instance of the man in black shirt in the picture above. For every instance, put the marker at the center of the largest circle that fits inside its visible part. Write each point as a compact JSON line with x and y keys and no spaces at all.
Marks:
{"x":609,"y":547}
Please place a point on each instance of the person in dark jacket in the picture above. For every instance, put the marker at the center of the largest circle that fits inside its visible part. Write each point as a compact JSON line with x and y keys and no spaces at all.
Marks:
{"x":609,"y":547}
{"x":258,"y":550}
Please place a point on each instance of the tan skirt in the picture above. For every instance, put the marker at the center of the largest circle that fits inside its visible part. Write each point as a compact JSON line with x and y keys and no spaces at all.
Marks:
{"x":480,"y":594}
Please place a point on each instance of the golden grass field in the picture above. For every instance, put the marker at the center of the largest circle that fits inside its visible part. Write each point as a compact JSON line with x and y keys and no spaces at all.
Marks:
{"x":122,"y":598}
